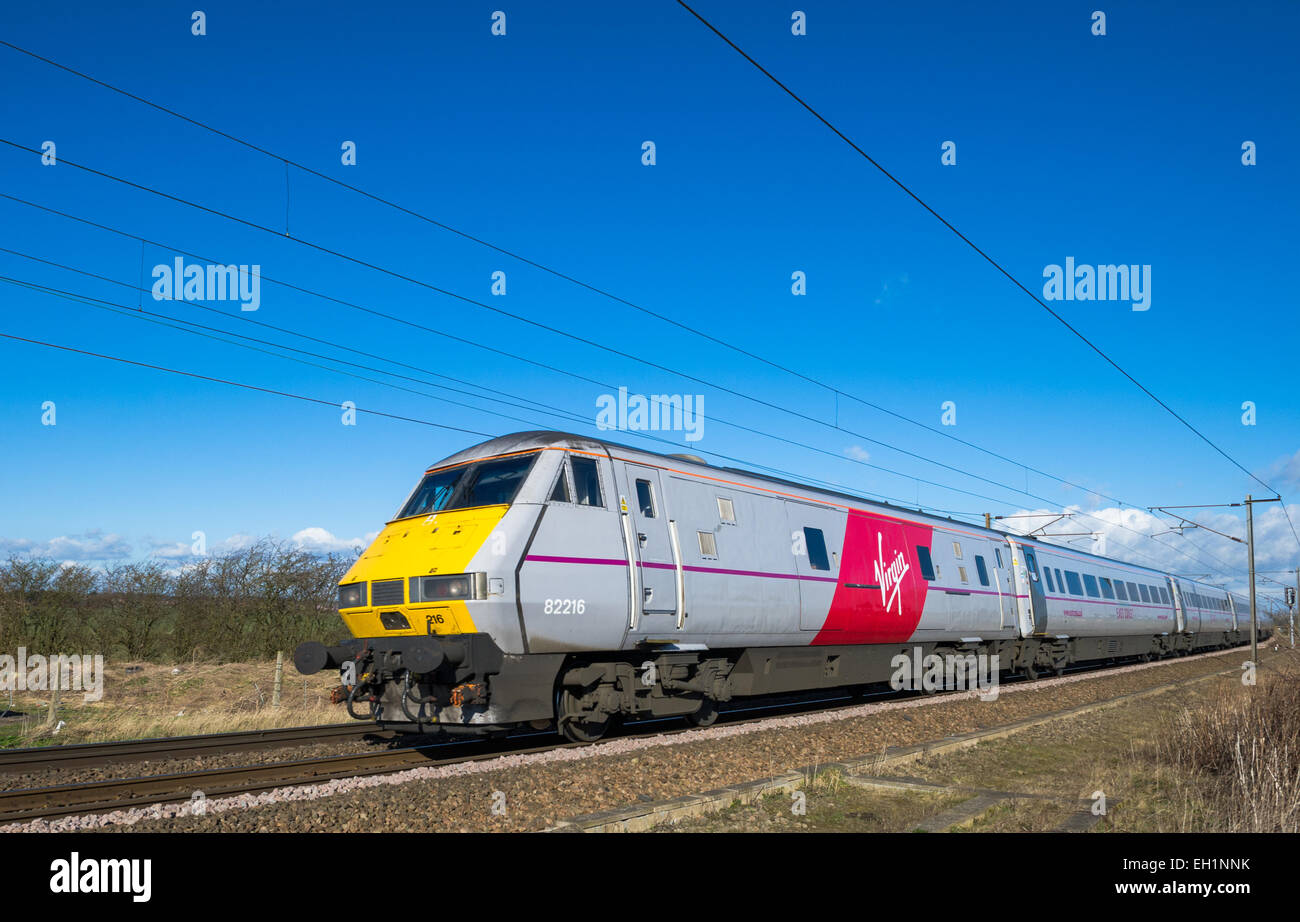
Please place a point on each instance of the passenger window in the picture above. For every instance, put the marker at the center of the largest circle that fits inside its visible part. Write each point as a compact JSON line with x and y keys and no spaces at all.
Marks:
{"x":815,"y":542}
{"x":1132,"y":592}
{"x":645,"y":499}
{"x":1106,"y":589}
{"x":726,"y":510}
{"x":561,"y":492}
{"x":708,"y":544}
{"x":1145,"y":593}
{"x":1072,"y":580}
{"x":1119,"y":590}
{"x":1033,"y":563}
{"x":1060,"y":580}
{"x":1090,"y":584}
{"x":981,"y":570}
{"x":927,"y":565}
{"x":956,"y":550}
{"x":997,"y":552}
{"x":1047,"y":572}
{"x":586,"y":482}
{"x":961,"y":574}
{"x":1164,"y":596}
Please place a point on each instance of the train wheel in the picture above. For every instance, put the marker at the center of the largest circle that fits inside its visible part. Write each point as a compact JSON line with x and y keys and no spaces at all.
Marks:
{"x":576,"y":726}
{"x":1031,"y":671}
{"x":706,"y":715}
{"x":583,"y":731}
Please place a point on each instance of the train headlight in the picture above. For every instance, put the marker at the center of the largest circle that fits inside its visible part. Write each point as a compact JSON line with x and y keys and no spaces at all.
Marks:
{"x":352,"y":595}
{"x":449,"y":588}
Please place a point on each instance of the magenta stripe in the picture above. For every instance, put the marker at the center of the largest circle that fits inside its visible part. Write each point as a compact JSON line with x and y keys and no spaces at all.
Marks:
{"x":609,"y":561}
{"x":619,"y":562}
{"x":1115,"y":602}
{"x":815,"y":579}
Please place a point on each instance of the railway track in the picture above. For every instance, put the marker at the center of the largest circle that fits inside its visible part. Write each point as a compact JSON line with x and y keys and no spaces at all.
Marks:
{"x":22,"y":805}
{"x":124,"y":751}
{"x":122,"y":793}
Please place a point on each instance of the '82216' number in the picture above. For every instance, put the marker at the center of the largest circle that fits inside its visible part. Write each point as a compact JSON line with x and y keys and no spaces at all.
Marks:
{"x":565,"y":606}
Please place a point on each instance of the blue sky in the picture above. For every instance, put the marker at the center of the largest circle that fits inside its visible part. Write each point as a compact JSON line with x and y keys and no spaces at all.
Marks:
{"x":1122,"y":148}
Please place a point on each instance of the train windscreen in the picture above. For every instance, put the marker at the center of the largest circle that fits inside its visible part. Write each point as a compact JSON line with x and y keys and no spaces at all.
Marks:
{"x":486,"y":483}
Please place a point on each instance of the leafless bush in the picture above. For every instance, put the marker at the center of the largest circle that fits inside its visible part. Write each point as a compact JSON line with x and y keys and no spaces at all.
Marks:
{"x":238,"y":606}
{"x":1243,"y":749}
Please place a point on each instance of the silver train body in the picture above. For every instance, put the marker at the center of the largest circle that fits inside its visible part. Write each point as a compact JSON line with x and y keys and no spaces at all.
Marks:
{"x":551,"y":579}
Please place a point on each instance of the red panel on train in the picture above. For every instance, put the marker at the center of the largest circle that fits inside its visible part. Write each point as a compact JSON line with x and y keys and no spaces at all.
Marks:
{"x":881,"y":592}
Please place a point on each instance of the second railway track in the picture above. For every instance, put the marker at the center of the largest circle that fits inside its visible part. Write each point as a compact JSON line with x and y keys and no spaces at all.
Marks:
{"x":52,"y":802}
{"x":125,"y":751}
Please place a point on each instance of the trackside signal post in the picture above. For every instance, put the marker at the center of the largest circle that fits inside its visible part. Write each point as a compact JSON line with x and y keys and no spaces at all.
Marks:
{"x":1250,"y":550}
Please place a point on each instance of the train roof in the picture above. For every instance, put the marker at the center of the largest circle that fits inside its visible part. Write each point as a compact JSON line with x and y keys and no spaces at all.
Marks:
{"x":540,"y":438}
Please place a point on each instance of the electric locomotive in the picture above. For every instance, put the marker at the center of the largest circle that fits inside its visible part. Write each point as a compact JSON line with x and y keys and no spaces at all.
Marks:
{"x":554,"y":580}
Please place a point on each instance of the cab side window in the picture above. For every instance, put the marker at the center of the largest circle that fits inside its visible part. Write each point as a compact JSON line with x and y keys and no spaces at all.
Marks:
{"x":561,"y":492}
{"x":645,"y":499}
{"x":586,"y":482}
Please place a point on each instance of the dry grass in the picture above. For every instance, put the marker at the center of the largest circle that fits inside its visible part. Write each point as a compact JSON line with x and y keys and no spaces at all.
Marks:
{"x":1240,"y":755}
{"x":147,"y":700}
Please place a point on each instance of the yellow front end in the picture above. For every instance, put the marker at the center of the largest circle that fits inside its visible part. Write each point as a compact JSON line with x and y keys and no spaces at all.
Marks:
{"x":440,"y":544}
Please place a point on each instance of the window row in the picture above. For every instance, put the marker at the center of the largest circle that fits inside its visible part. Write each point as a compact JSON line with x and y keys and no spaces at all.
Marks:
{"x":1200,"y":600}
{"x":1101,"y":587}
{"x":930,"y":570}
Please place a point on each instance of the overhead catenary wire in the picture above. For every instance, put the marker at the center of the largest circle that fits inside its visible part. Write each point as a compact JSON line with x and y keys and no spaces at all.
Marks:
{"x":134,"y":312}
{"x":566,"y":372}
{"x":528,"y":321}
{"x":837,"y":391}
{"x":293,"y":395}
{"x":970,"y":243}
{"x":570,"y":373}
{"x":250,"y":387}
{"x":162,"y":320}
{"x":267,"y":390}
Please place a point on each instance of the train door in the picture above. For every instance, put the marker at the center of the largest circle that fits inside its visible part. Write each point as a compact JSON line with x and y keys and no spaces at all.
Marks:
{"x":1000,"y":570}
{"x":1036,"y":592}
{"x":657,"y":558}
{"x":1232,"y":610}
{"x":1180,"y":614}
{"x":816,"y":538}
{"x":1029,"y":589}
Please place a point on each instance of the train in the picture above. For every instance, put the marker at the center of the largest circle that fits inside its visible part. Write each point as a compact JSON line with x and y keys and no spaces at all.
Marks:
{"x":552,"y":580}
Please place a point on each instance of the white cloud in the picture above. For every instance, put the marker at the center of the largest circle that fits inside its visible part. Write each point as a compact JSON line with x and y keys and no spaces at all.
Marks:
{"x":90,"y":545}
{"x":1285,"y":471}
{"x":1152,"y":540}
{"x":177,"y":551}
{"x":320,"y":541}
{"x":857,"y":453}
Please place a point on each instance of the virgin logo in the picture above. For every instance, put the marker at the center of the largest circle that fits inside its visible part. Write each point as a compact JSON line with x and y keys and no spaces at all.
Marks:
{"x":890,"y":578}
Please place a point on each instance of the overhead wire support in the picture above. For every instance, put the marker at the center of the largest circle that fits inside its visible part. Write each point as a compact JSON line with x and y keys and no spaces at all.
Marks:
{"x":1188,"y":523}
